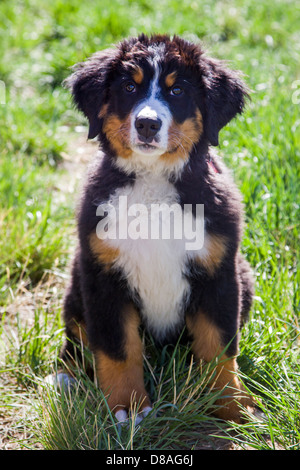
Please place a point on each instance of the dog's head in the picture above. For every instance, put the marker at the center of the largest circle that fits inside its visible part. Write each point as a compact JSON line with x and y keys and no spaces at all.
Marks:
{"x":156,"y":98}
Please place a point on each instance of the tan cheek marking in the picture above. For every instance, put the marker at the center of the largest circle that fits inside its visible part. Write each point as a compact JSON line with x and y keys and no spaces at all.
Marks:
{"x":170,"y":79}
{"x":216,"y":247}
{"x":104,"y":253}
{"x":123,"y":381}
{"x":207,"y":345}
{"x":118,"y":132}
{"x":183,"y":137}
{"x":138,"y":75}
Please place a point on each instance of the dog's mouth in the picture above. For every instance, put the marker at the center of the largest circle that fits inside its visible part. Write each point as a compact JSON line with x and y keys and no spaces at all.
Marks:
{"x":147,"y":147}
{"x":153,"y":147}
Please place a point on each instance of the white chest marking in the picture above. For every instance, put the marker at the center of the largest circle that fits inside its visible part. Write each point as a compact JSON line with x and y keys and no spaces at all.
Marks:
{"x":154,"y":268}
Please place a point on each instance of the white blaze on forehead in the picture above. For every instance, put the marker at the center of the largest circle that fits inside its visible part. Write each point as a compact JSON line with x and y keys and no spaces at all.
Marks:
{"x":154,"y":88}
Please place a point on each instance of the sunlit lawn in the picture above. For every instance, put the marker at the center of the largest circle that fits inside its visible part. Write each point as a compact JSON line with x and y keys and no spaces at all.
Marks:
{"x":39,"y":129}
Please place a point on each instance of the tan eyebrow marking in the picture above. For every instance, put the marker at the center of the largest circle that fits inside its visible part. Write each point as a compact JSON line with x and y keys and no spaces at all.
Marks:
{"x":138,"y":75}
{"x":170,"y":79}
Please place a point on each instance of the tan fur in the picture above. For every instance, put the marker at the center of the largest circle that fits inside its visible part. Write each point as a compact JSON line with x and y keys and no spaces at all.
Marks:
{"x":170,"y":79}
{"x":138,"y":75}
{"x":103,"y":111}
{"x":117,"y":132}
{"x":104,"y":253}
{"x":79,"y":330}
{"x":216,"y":247}
{"x":207,"y":345}
{"x":123,"y":381}
{"x":182,"y":138}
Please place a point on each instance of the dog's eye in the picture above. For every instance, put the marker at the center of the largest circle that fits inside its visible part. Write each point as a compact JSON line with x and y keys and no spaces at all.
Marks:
{"x":129,"y":87}
{"x":176,"y":90}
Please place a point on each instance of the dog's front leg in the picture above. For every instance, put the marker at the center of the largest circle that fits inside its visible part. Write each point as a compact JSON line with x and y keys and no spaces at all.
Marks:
{"x":112,"y":324}
{"x":120,"y":373}
{"x":214,"y":331}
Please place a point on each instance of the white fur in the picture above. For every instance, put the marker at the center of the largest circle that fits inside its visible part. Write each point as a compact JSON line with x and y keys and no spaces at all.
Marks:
{"x":123,"y":417}
{"x":154,"y":268}
{"x":141,"y":163}
{"x":60,"y":381}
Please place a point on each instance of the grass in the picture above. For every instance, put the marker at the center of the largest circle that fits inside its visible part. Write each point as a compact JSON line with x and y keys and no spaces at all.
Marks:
{"x":39,"y":161}
{"x":176,"y":395}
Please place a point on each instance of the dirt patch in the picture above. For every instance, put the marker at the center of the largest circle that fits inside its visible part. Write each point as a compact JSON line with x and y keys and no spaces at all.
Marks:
{"x":79,"y":154}
{"x":15,"y":434}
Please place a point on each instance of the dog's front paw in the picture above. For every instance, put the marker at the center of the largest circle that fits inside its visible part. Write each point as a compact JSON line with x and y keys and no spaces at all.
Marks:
{"x":238,"y":406}
{"x":60,"y":381}
{"x":123,"y":417}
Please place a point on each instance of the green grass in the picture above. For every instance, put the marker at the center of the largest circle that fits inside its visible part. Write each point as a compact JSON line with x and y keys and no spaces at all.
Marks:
{"x":39,"y":41}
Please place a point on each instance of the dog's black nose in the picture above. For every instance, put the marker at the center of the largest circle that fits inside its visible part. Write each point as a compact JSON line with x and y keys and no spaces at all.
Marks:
{"x":147,"y":128}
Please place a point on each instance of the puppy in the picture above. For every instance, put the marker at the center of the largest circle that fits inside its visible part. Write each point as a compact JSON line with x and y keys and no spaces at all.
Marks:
{"x":157,"y":105}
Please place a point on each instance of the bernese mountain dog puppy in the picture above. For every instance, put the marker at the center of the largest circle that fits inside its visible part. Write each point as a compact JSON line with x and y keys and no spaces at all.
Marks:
{"x":157,"y":105}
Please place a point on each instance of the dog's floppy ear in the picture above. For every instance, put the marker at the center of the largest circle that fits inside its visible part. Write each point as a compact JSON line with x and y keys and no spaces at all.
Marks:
{"x":88,"y":87}
{"x":224,"y":96}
